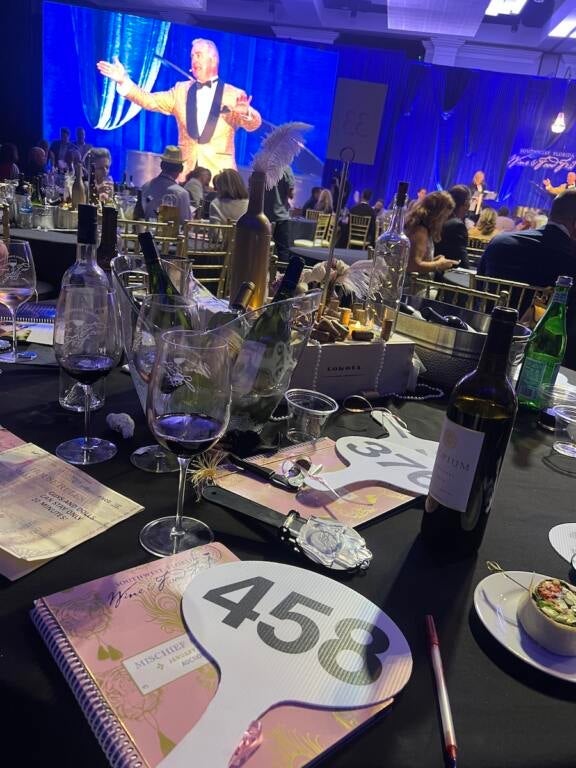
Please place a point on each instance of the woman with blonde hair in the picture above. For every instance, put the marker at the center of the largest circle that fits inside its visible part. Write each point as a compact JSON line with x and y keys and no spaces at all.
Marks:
{"x":424,"y":228}
{"x":324,"y":203}
{"x":231,"y":199}
{"x":485,"y":228}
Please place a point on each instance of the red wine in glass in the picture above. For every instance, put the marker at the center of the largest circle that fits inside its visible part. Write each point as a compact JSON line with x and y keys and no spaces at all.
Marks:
{"x":187,"y":434}
{"x":87,"y":369}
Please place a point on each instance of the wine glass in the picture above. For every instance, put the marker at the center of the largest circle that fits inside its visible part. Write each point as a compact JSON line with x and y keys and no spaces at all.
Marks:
{"x":158,"y":313}
{"x":17,"y":285}
{"x":188,"y":409}
{"x":87,"y":346}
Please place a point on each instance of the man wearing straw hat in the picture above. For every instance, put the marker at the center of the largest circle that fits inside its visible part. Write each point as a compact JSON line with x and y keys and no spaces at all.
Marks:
{"x":207,"y":110}
{"x":164,"y":187}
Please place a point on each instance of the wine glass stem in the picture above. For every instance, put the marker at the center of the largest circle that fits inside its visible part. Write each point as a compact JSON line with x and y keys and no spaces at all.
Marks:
{"x":14,"y":341}
{"x":183,"y":463}
{"x":87,"y":403}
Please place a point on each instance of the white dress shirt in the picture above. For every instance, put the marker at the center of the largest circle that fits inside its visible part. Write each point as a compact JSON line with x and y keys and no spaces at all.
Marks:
{"x":204,"y":99}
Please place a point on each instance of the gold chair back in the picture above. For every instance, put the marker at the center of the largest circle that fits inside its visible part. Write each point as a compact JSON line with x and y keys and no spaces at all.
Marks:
{"x":209,"y":248}
{"x":480,"y":301}
{"x":358,"y":227}
{"x":520,"y":295}
{"x":312,"y":214}
{"x":165,"y":236}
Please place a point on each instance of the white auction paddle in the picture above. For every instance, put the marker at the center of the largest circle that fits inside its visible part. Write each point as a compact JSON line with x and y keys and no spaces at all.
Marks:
{"x":281,"y":635}
{"x":373,"y":460}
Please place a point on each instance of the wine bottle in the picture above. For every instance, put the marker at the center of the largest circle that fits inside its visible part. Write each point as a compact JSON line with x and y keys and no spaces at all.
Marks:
{"x":451,"y":321}
{"x":237,"y":306}
{"x":389,"y":265}
{"x":21,"y":187}
{"x":158,"y":281}
{"x":93,"y":194}
{"x":474,"y":437}
{"x":263,"y":356}
{"x":78,"y":188}
{"x":85,"y":270}
{"x":545,"y":349}
{"x":251,"y":255}
{"x":108,"y":248}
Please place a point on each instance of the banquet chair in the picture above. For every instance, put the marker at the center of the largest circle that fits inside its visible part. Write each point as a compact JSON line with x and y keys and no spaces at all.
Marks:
{"x":208,"y":249}
{"x":320,"y":232}
{"x":358,"y":228}
{"x":469,"y":298}
{"x":520,"y":295}
{"x":166,"y":238}
{"x":312,"y":214}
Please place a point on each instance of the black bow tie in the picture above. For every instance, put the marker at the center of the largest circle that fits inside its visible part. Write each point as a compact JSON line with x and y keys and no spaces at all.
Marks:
{"x":207,"y":84}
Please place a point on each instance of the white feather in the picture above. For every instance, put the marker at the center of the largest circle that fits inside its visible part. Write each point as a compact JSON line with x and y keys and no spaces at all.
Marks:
{"x":278,"y":150}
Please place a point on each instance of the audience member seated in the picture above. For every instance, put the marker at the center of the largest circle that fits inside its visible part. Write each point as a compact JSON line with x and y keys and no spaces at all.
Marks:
{"x":312,"y":200}
{"x":36,"y":161}
{"x":539,"y":256}
{"x":8,"y":162}
{"x":528,"y":221}
{"x":423,"y":226}
{"x":81,"y":145}
{"x":101,"y":159}
{"x":231,"y":199}
{"x":485,"y":228}
{"x":453,"y":242}
{"x":58,"y":148}
{"x":324,"y":203}
{"x":198,"y":186}
{"x":420,"y":195}
{"x":363,"y":208}
{"x":154,"y":191}
{"x":504,"y":222}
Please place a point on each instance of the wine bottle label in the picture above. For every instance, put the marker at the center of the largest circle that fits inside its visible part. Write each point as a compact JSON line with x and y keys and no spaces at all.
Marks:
{"x":534,"y":373}
{"x":455,"y":466}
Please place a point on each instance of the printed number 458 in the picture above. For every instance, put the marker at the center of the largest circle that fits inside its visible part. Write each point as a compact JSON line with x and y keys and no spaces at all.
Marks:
{"x":328,"y":651}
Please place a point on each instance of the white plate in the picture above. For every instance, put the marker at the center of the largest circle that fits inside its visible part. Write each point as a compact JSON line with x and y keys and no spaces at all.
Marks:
{"x":496,"y":600}
{"x":563,"y":539}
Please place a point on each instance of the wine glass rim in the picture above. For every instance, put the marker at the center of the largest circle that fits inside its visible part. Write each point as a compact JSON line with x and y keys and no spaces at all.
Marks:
{"x":180,"y":332}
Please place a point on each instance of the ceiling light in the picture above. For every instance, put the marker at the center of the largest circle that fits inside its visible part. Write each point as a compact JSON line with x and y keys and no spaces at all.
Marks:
{"x":559,"y":125}
{"x":565,"y":28}
{"x":505,"y":7}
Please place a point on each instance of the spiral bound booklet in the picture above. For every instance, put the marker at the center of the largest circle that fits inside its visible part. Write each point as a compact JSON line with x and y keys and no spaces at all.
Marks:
{"x":143,"y":684}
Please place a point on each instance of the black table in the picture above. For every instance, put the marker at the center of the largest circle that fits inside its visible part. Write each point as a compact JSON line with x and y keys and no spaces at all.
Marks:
{"x":314,"y":255}
{"x":300,"y":229}
{"x":507,"y":715}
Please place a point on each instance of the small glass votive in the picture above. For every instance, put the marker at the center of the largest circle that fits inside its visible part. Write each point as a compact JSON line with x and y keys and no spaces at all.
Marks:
{"x":308,"y":412}
{"x":565,"y":431}
{"x":552,"y":395}
{"x":71,"y":394}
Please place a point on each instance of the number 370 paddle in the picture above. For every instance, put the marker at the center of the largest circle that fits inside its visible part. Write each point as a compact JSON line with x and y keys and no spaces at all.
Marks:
{"x":281,"y":634}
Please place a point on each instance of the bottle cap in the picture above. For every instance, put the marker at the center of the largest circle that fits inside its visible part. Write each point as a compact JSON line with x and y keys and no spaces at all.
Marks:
{"x":564,"y":280}
{"x":505,"y":315}
{"x":87,"y":224}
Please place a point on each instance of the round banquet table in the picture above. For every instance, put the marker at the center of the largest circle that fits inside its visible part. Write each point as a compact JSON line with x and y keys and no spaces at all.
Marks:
{"x":300,"y":228}
{"x":506,"y":714}
{"x":313,"y":255}
{"x":54,"y":250}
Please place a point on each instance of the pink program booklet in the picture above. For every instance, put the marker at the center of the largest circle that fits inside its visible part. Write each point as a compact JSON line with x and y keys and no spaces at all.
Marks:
{"x":357,"y":505}
{"x":141,"y":682}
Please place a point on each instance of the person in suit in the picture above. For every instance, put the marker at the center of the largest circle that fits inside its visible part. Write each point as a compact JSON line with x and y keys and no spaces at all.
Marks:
{"x":570,"y":184}
{"x":539,"y":256}
{"x":208,"y":111}
{"x":453,"y":241}
{"x":363,"y":208}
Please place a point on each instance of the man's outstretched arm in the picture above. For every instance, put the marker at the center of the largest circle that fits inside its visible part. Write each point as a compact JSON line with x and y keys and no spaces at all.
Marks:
{"x":162,"y":101}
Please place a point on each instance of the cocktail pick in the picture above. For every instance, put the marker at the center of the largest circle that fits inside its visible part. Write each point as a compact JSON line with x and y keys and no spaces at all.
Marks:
{"x":497,"y":568}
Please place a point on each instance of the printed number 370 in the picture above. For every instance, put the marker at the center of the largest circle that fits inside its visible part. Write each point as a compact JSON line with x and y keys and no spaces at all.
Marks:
{"x":328,"y":651}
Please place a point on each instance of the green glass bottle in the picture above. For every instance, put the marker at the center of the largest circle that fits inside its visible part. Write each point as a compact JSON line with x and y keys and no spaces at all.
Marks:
{"x":545,"y":349}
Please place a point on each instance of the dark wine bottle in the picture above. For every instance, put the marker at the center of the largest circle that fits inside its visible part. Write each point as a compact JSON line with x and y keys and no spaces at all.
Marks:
{"x":85,"y":270}
{"x":93,"y":194}
{"x":237,"y":306}
{"x":475,"y":434}
{"x":287,"y":287}
{"x":158,"y":280}
{"x":451,"y":321}
{"x":108,"y":248}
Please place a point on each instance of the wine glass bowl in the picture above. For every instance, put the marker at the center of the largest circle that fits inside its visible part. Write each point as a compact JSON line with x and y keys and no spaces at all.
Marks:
{"x":17,"y":285}
{"x":188,"y":409}
{"x":87,"y":346}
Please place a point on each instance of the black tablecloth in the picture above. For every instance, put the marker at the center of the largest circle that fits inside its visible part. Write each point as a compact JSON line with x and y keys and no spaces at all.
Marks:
{"x":300,"y":229}
{"x":506,"y":714}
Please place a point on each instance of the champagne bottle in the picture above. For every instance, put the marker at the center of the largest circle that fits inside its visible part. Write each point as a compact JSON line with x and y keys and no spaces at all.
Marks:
{"x":263,"y":356}
{"x":389,"y":265}
{"x":251,"y":255}
{"x":85,"y":270}
{"x":78,"y":188}
{"x":108,"y":247}
{"x":475,"y":434}
{"x":237,"y":306}
{"x":545,"y":349}
{"x":158,"y":280}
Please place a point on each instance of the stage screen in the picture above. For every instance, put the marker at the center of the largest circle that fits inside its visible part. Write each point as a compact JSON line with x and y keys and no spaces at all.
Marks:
{"x":286,"y":81}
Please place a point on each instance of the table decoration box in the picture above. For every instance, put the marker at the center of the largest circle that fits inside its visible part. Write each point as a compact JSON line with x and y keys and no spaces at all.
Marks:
{"x":141,"y":682}
{"x":346,"y":368}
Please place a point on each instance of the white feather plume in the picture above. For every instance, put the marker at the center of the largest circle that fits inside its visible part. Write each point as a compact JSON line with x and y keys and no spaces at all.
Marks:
{"x":278,"y":150}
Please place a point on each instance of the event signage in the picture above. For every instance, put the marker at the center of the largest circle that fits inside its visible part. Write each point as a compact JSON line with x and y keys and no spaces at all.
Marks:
{"x":356,"y":119}
{"x":281,"y":634}
{"x":542,"y":159}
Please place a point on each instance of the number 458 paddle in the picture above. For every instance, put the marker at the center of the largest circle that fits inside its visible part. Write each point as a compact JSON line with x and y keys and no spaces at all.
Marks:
{"x":283,"y":634}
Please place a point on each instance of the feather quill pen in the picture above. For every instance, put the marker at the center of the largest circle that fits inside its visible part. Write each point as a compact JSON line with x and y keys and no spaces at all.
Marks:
{"x":278,"y":150}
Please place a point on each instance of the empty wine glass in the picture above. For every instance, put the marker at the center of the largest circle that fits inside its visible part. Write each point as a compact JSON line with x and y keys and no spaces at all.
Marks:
{"x":188,"y":410}
{"x":158,"y":313}
{"x":87,"y":346}
{"x":17,"y":285}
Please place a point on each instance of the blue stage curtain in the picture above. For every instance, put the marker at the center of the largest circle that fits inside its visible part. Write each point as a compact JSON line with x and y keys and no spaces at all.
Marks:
{"x":135,"y":41}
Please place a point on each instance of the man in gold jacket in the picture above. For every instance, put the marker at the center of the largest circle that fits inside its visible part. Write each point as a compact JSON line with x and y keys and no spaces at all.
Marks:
{"x":207,"y":110}
{"x":570,"y":184}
